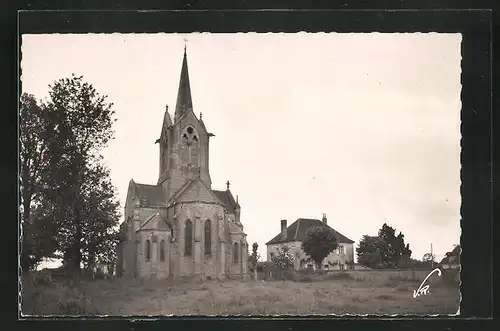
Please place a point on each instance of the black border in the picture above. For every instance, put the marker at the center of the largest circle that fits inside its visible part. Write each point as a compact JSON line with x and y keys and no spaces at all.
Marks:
{"x":477,"y":206}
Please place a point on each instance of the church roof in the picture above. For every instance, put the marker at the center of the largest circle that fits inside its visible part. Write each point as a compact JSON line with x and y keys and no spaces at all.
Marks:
{"x":226,"y":197}
{"x":184,"y":101}
{"x":187,"y":185}
{"x":297,"y":232}
{"x":454,"y":253}
{"x":150,"y":194}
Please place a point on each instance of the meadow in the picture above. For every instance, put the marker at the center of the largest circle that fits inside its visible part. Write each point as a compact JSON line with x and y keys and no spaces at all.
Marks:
{"x":353,"y":292}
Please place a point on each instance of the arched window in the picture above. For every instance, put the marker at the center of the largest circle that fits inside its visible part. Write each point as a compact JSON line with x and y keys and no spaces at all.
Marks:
{"x":148,"y":250}
{"x":162,"y":250}
{"x":190,"y":146}
{"x":208,"y":238}
{"x":235,"y":253}
{"x":188,"y":238}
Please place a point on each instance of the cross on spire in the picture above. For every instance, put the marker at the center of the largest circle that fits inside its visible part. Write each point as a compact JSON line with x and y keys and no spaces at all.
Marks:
{"x":185,"y":42}
{"x":228,"y":183}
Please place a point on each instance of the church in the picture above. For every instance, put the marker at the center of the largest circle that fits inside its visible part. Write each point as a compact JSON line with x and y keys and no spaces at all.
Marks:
{"x":181,"y":226}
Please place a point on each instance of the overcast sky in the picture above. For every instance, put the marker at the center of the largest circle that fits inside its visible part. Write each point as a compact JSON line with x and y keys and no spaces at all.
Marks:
{"x":362,"y":127}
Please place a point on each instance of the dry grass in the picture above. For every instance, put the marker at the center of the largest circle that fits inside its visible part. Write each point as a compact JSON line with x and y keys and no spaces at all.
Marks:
{"x":340,"y":293}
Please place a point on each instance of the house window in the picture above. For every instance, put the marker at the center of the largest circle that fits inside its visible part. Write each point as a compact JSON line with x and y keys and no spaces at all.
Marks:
{"x":162,"y":250}
{"x":148,"y":250}
{"x":235,"y":253}
{"x":208,"y":238}
{"x":188,"y":238}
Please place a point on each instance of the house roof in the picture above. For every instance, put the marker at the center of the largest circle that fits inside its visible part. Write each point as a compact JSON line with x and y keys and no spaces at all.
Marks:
{"x":150,"y":194}
{"x":455,"y":252}
{"x":297,"y":232}
{"x":226,"y":197}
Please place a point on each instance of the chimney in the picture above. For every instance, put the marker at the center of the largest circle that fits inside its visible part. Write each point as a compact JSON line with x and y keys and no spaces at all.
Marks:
{"x":283,"y":229}
{"x":324,"y":219}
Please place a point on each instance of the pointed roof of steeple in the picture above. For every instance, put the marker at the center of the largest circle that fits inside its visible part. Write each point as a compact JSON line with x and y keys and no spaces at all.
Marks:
{"x":184,"y":101}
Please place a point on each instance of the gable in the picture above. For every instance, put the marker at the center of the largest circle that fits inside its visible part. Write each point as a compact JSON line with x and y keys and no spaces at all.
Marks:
{"x":189,"y":118}
{"x":155,"y":222}
{"x":197,"y":191}
{"x":130,"y":193}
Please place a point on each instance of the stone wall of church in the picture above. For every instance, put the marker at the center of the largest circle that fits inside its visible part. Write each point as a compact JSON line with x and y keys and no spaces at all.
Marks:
{"x":154,"y":267}
{"x":131,"y":259}
{"x":237,"y":267}
{"x":199,"y":262}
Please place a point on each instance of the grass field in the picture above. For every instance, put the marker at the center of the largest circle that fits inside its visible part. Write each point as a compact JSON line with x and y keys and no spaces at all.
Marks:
{"x":341,"y":293}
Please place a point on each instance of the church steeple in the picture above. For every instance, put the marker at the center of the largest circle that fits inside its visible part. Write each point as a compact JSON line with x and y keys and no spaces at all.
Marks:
{"x":184,"y":102}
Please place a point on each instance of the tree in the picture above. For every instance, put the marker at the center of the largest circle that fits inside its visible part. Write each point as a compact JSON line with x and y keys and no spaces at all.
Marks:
{"x":319,"y":242}
{"x":77,"y":184}
{"x":254,"y":259}
{"x":369,"y":252}
{"x":38,"y":240}
{"x":100,"y":219}
{"x":394,"y":248}
{"x":385,"y":250}
{"x":37,"y":232}
{"x":283,"y":258}
{"x":428,"y":257}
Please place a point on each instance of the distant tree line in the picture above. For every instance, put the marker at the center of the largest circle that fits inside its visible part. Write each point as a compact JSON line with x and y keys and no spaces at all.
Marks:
{"x":68,"y":205}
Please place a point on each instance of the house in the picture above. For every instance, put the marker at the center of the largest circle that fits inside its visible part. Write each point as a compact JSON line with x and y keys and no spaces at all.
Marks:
{"x":181,"y":226}
{"x":452,"y":259}
{"x":292,"y":236}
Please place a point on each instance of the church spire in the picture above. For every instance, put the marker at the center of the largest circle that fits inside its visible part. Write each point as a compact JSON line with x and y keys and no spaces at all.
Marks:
{"x":184,"y":102}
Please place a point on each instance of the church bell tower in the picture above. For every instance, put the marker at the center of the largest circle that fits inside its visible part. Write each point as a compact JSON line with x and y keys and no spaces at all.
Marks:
{"x":183,"y":143}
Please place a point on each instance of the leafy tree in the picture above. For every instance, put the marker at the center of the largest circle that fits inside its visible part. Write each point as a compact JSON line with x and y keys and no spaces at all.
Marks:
{"x":254,"y":259}
{"x":100,"y":219}
{"x":283,"y":258}
{"x":369,"y":252}
{"x":77,"y":184}
{"x":319,"y":242}
{"x":384,"y":251}
{"x":394,"y":248}
{"x":428,"y":257}
{"x":37,"y":231}
{"x":38,"y":239}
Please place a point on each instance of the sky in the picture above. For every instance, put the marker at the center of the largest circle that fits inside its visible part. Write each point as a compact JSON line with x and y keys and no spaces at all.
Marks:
{"x":362,"y":127}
